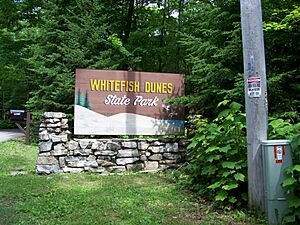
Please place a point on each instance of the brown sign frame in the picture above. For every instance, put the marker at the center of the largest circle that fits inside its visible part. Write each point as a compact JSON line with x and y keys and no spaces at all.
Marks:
{"x":110,"y":102}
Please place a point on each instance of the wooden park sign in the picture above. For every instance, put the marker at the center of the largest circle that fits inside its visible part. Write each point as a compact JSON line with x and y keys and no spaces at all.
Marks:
{"x":127,"y":103}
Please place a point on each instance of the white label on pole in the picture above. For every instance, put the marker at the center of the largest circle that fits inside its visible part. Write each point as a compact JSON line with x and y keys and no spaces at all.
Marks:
{"x":279,"y":152}
{"x":254,"y":89}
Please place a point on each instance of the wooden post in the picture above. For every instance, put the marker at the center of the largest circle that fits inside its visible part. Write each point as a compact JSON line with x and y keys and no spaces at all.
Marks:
{"x":255,"y":97}
{"x":27,"y":134}
{"x":25,"y":131}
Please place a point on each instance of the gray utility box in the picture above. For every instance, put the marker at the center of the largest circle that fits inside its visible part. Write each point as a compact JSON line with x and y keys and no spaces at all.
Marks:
{"x":276,"y":157}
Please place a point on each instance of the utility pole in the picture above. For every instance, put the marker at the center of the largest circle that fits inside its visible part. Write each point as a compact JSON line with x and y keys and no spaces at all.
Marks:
{"x":255,"y":97}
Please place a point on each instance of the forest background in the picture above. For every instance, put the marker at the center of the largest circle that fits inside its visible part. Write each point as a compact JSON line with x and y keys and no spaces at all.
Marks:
{"x":43,"y":42}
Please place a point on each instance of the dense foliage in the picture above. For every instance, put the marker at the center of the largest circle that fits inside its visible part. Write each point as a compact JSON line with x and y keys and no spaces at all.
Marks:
{"x":284,"y":129}
{"x":43,"y":42}
{"x":218,"y":162}
{"x":218,"y":156}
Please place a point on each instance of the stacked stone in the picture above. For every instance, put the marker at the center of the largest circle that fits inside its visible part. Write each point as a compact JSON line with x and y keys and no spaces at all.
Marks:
{"x":53,"y":142}
{"x":58,"y":154}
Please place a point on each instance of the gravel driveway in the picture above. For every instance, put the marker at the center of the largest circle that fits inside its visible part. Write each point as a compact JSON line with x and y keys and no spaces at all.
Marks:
{"x":7,"y":134}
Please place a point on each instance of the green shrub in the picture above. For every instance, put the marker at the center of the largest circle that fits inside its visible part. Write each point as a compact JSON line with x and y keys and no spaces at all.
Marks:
{"x":5,"y":124}
{"x":218,"y":156}
{"x":278,"y":129}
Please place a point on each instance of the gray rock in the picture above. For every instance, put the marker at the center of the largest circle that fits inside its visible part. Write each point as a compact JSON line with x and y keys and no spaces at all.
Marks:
{"x":84,"y":143}
{"x":59,"y":152}
{"x":158,"y":143}
{"x":62,"y":162}
{"x":73,"y":161}
{"x":171,"y":156}
{"x":94,"y":170}
{"x":59,"y":138}
{"x":54,"y":115}
{"x":116,"y":169}
{"x":71,"y":152}
{"x":171,"y":147}
{"x":45,"y":146}
{"x":46,"y":160}
{"x":168,"y":161}
{"x":45,"y":154}
{"x":156,"y":149}
{"x":72,"y":170}
{"x":54,"y":130}
{"x":42,"y":129}
{"x":97,"y":145}
{"x":163,"y":166}
{"x":64,"y":121}
{"x":47,"y":169}
{"x":128,"y":153}
{"x":54,"y":125}
{"x":112,"y":146}
{"x":65,"y":126}
{"x":151,"y":165}
{"x":82,"y":151}
{"x":56,"y":120}
{"x":135,"y":167}
{"x":44,"y":136}
{"x":43,"y":125}
{"x":105,"y":153}
{"x":59,"y":146}
{"x":129,"y":144}
{"x":73,"y":145}
{"x":91,"y":162}
{"x":102,"y":157}
{"x":106,"y":164}
{"x":148,"y":154}
{"x":143,"y":145}
{"x":16,"y":173}
{"x":124,"y":161}
{"x":156,"y":157}
{"x":143,"y":158}
{"x":59,"y":149}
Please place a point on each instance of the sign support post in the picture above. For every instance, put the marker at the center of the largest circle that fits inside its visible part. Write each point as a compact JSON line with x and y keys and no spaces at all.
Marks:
{"x":255,"y":97}
{"x":19,"y":115}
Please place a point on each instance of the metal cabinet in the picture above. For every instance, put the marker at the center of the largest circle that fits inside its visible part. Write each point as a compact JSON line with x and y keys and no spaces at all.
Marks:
{"x":276,"y":157}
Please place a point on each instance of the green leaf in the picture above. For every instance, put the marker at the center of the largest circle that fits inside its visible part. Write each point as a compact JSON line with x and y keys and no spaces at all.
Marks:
{"x":224,"y":113}
{"x":200,"y":137}
{"x":230,"y":186}
{"x":215,"y":185}
{"x":296,"y":168}
{"x":290,"y":219}
{"x":209,"y":170}
{"x":211,"y":158}
{"x":239,"y":176}
{"x":192,"y":145}
{"x":226,"y":174}
{"x":289,"y":169}
{"x":289,"y":181}
{"x":225,"y":149}
{"x":232,"y":199}
{"x":212,"y":149}
{"x":229,"y":165}
{"x":235,"y":105}
{"x":294,"y":202}
{"x":224,"y":102}
{"x":221,"y":196}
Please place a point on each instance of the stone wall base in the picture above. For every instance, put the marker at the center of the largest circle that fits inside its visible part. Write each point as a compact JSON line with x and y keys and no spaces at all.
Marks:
{"x":57,"y":153}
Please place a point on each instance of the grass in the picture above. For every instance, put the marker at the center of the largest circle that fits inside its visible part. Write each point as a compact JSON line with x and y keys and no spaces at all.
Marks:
{"x":95,"y":199}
